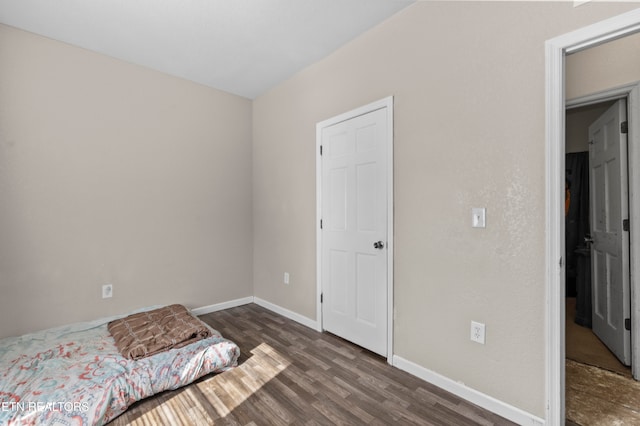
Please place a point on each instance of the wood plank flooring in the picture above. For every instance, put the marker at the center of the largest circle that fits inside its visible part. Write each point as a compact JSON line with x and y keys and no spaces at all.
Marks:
{"x":290,"y":374}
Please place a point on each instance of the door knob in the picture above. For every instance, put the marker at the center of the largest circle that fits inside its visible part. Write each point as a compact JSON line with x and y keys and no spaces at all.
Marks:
{"x":588,"y":239}
{"x":378,"y":245}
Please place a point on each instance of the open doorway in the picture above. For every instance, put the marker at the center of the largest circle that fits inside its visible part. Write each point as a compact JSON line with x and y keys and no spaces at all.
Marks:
{"x":597,"y":367}
{"x":584,"y":342}
{"x":603,"y":193}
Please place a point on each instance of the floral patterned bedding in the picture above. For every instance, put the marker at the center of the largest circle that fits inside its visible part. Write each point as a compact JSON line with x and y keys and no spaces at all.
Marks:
{"x":74,"y":375}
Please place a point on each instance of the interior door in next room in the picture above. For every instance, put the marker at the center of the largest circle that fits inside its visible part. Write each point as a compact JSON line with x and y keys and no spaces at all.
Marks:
{"x":609,"y":213}
{"x":354,"y":230}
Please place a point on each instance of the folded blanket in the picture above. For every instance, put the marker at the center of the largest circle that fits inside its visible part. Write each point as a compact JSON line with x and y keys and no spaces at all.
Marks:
{"x":147,"y":333}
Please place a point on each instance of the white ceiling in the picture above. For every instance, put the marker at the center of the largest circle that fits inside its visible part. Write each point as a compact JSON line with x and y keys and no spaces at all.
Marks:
{"x":243,"y":47}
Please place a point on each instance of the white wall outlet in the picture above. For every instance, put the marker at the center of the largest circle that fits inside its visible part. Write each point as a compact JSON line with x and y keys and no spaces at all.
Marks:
{"x":477,"y":332}
{"x":478,"y":217}
{"x":107,"y":291}
{"x":286,"y":278}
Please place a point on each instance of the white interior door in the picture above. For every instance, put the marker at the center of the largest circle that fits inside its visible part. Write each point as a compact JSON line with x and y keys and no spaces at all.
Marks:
{"x":354,"y":229}
{"x":609,"y":195}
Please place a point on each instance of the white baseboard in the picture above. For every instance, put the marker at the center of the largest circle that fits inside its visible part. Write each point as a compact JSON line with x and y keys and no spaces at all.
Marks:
{"x":221,"y":306}
{"x":286,"y":313}
{"x":487,"y":402}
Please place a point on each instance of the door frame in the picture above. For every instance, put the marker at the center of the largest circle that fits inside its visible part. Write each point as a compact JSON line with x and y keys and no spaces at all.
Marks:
{"x":555,"y":51}
{"x":373,"y":106}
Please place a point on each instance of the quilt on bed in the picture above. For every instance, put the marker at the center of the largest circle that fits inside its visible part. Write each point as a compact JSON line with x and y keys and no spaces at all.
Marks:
{"x":75,"y":375}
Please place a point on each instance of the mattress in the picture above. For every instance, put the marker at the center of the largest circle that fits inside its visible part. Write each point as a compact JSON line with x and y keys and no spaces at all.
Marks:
{"x":75,"y":375}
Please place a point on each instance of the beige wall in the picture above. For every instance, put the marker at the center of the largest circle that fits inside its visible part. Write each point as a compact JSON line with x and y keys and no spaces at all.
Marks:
{"x":603,"y":67}
{"x":595,"y":70}
{"x":113,"y":173}
{"x":577,"y":125}
{"x":468,"y":84}
{"x":110,"y":172}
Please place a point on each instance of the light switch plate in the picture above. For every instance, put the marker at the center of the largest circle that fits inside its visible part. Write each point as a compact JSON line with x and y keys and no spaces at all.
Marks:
{"x":478,"y":217}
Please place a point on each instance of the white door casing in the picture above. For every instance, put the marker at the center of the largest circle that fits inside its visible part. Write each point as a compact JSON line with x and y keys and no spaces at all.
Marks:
{"x":555,"y":51}
{"x":609,"y":195}
{"x":354,"y":238}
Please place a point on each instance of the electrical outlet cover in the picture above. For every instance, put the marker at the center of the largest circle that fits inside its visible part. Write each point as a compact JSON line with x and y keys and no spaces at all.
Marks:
{"x":107,"y":291}
{"x":477,"y":332}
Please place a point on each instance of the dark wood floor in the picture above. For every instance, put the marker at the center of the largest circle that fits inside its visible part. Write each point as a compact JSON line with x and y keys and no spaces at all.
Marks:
{"x":290,"y":374}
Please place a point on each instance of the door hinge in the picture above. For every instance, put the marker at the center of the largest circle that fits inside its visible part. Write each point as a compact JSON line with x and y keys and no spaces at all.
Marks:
{"x":627,"y":324}
{"x":320,"y":223}
{"x":625,"y":225}
{"x":320,"y":149}
{"x":561,"y":262}
{"x":624,"y":127}
{"x":321,"y":297}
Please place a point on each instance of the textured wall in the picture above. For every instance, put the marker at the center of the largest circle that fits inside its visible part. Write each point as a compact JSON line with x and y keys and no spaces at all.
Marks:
{"x":468,"y":84}
{"x":110,"y":172}
{"x":113,"y":173}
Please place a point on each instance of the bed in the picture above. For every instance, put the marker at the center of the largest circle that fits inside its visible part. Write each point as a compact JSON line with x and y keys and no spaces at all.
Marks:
{"x":75,"y":374}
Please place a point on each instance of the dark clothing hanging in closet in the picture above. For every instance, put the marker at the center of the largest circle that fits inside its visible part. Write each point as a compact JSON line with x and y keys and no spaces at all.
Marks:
{"x":578,"y":257}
